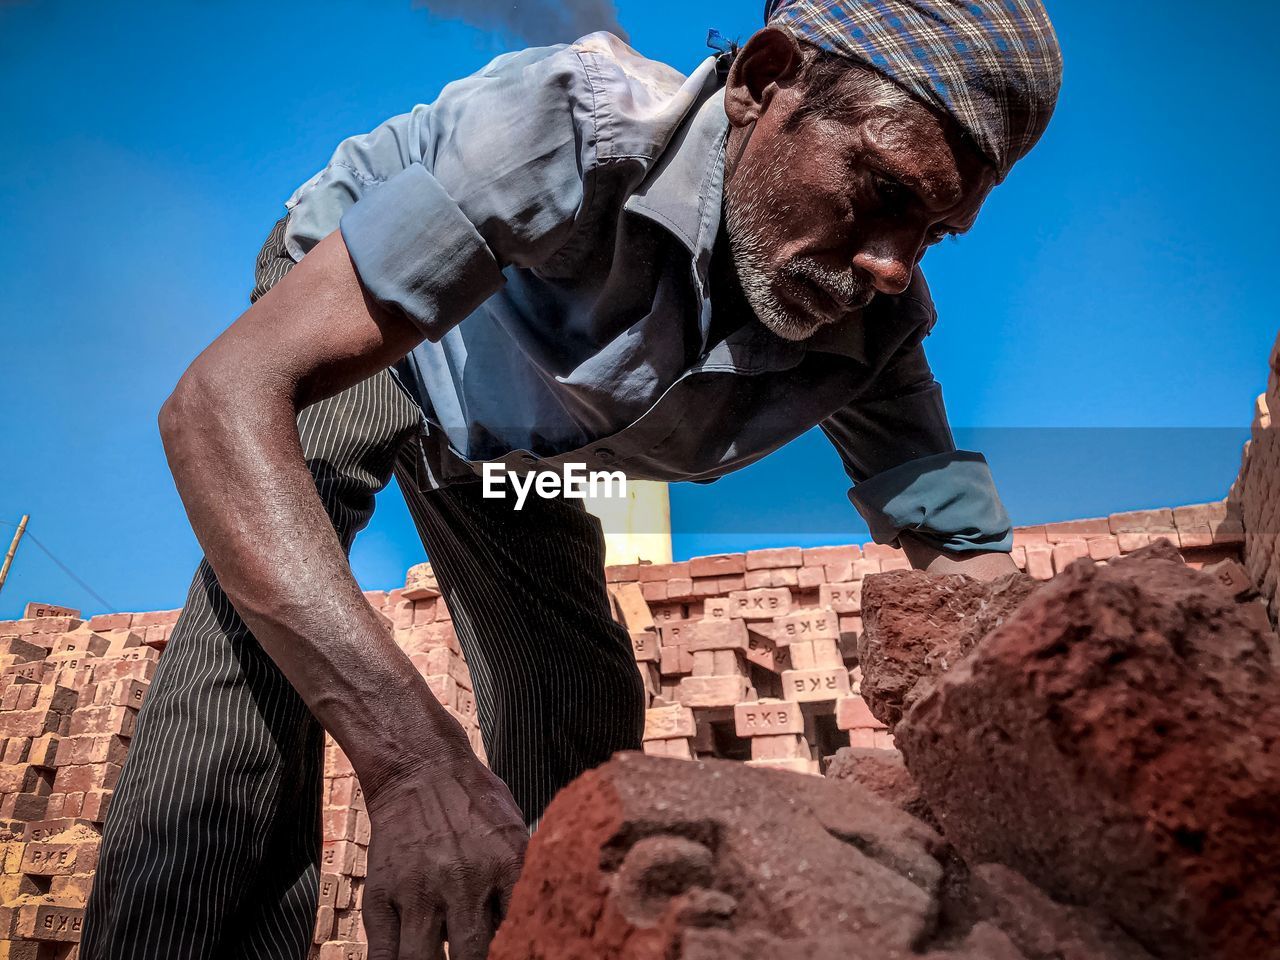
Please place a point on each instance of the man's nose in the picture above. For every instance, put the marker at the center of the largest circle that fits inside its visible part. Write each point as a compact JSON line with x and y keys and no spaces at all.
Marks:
{"x":889,"y":265}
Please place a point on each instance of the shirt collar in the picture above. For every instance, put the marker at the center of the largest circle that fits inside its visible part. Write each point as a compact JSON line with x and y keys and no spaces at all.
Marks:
{"x":683,"y":190}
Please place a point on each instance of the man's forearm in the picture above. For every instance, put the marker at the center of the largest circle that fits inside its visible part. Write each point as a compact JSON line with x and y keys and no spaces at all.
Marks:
{"x":230,"y":432}
{"x":981,"y":565}
{"x":238,"y":464}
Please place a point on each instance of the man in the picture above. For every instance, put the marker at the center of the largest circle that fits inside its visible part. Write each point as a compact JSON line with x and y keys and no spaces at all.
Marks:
{"x":575,"y":255}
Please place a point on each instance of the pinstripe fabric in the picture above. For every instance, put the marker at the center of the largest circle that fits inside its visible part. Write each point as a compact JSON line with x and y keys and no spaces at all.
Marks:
{"x":212,"y":841}
{"x":557,"y":689}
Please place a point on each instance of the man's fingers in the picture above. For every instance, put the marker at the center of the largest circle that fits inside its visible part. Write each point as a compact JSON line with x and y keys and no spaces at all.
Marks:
{"x":421,"y":933}
{"x":471,"y":925}
{"x":381,"y":927}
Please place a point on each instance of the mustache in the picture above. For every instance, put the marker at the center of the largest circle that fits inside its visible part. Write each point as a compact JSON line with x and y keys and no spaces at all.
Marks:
{"x":848,"y":288}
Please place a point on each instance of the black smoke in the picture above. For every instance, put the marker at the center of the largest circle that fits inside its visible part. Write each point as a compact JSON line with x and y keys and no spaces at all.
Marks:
{"x":537,"y":22}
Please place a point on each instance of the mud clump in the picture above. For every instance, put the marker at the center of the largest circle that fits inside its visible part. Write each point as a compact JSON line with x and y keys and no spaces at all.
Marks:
{"x":1115,"y":741}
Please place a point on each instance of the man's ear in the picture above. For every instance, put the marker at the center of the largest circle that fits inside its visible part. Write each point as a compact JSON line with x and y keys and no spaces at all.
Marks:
{"x":769,"y":60}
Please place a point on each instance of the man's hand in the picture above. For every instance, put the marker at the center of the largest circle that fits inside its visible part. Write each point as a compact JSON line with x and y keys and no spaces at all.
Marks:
{"x":446,"y":849}
{"x":982,"y":565}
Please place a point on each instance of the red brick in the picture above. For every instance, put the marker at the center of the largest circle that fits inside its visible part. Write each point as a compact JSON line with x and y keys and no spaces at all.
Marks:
{"x":713,"y":691}
{"x":769,"y":559}
{"x":871,"y":739}
{"x":719,"y":565}
{"x":1140,"y":521}
{"x":1022,"y":536}
{"x":715,"y":635}
{"x":644,"y":646}
{"x":92,"y":721}
{"x":106,"y":748}
{"x":808,"y":578}
{"x":812,"y":685}
{"x":328,"y":889}
{"x":674,"y":632}
{"x":653,"y":572}
{"x":866,"y":566}
{"x":665,"y":723}
{"x":841,"y":597}
{"x":95,"y":805}
{"x":47,"y":921}
{"x":622,"y":573}
{"x":675,"y":659}
{"x":1068,"y":530}
{"x":339,"y":856}
{"x":1067,"y":552}
{"x":763,"y":651}
{"x":1040,"y":561}
{"x":44,"y":829}
{"x":1233,"y":577}
{"x":821,"y":556}
{"x":707,"y":586}
{"x":680,"y":588}
{"x":717,"y":608}
{"x":852,"y":713}
{"x":339,"y":823}
{"x":83,"y":642}
{"x":110,"y":621}
{"x":760,"y":604}
{"x":128,"y":693}
{"x":664,"y":612}
{"x":1104,"y":548}
{"x":324,"y":925}
{"x":880,"y":551}
{"x":44,"y":750}
{"x":48,"y":859}
{"x":767,"y":718}
{"x":420,"y":583}
{"x":808,"y":624}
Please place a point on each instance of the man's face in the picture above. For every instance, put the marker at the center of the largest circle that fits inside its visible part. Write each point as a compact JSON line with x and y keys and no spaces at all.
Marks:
{"x":825,"y":212}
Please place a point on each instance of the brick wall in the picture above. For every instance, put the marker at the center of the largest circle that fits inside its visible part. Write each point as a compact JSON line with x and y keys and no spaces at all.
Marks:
{"x":1256,"y":493}
{"x":745,"y":656}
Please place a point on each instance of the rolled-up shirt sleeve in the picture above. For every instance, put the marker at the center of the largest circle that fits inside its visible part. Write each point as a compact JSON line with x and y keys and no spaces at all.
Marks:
{"x":898,"y":450}
{"x":434,"y":204}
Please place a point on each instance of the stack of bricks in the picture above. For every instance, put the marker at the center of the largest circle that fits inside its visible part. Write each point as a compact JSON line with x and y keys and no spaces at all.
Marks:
{"x":756,"y":653}
{"x":744,"y":656}
{"x":1257,"y":491}
{"x":70,"y":692}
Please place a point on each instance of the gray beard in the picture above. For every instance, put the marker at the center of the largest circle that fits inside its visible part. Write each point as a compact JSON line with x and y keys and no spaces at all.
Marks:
{"x":749,"y":252}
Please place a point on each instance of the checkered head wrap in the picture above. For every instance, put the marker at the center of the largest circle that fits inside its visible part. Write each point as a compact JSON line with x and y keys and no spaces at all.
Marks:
{"x":994,"y":66}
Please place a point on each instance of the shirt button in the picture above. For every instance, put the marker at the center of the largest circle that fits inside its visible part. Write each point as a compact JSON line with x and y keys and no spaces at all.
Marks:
{"x":604,"y":453}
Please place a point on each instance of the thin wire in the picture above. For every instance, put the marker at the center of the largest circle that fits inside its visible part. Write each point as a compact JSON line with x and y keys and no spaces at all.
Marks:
{"x":65,"y":569}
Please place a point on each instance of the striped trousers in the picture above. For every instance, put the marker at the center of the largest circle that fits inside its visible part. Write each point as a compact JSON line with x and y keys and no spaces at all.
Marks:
{"x":211,"y":845}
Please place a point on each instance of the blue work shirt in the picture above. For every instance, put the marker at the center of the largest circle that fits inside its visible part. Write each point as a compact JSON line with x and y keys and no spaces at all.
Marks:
{"x":548,"y":222}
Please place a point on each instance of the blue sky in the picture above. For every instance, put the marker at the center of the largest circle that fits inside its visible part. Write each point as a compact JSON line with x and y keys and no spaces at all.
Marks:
{"x":1103,"y":331}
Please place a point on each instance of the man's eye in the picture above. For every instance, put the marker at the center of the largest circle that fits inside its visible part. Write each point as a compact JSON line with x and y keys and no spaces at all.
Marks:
{"x":893,"y":194}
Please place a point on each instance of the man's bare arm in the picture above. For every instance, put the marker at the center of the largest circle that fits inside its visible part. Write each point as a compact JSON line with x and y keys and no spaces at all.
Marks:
{"x":230,"y":433}
{"x":231,"y":436}
{"x":982,"y":565}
